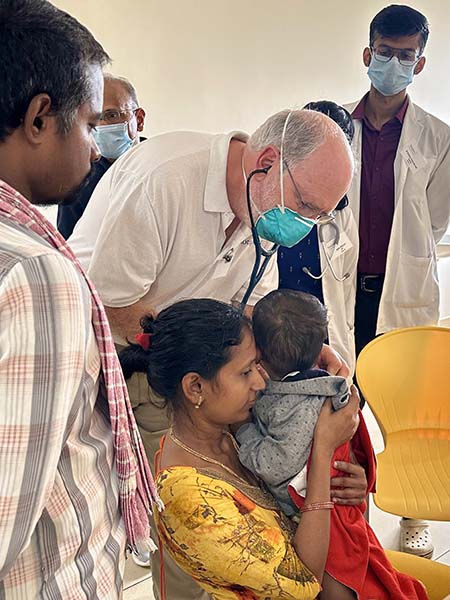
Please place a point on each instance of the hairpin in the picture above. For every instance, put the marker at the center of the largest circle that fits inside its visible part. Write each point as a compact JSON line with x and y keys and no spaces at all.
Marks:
{"x":143,"y":339}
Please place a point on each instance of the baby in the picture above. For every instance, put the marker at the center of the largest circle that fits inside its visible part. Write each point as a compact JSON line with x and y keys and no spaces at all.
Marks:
{"x":289,"y":328}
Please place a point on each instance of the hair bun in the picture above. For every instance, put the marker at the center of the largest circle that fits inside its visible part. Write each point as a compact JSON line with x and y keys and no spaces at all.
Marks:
{"x":147,"y":323}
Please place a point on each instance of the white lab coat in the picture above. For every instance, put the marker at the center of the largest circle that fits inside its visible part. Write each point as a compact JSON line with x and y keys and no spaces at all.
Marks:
{"x":338,"y":296}
{"x":421,"y":215}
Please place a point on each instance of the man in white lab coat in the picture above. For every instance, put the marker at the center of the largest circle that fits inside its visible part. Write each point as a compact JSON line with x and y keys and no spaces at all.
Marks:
{"x":400,"y":196}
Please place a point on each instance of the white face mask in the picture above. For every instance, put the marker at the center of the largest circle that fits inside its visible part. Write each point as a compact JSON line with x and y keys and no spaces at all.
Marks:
{"x":391,"y":77}
{"x":113,"y":140}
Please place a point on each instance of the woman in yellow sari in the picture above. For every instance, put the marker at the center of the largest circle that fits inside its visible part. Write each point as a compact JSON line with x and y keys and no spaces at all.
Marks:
{"x":219,"y":523}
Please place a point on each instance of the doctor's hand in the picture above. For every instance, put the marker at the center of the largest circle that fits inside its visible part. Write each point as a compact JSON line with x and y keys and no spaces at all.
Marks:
{"x":351,"y":489}
{"x":332,"y":361}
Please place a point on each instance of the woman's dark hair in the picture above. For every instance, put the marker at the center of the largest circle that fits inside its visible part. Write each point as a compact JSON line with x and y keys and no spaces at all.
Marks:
{"x":43,"y":50}
{"x":189,"y":336}
{"x":289,"y":328}
{"x":343,"y":118}
{"x":398,"y":20}
{"x":339,"y":114}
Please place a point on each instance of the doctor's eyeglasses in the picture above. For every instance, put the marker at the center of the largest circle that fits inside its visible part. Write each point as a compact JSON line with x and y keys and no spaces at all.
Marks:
{"x":322,"y":218}
{"x":406,"y":57}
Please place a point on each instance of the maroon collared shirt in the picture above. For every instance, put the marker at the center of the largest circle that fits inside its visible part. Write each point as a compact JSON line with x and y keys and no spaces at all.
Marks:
{"x":379,"y":148}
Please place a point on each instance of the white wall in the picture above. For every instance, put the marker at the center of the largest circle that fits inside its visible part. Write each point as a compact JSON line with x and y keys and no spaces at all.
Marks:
{"x":218,"y":65}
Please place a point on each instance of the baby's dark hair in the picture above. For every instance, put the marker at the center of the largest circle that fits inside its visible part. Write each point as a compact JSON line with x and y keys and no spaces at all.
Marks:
{"x":289,"y":328}
{"x":189,"y":336}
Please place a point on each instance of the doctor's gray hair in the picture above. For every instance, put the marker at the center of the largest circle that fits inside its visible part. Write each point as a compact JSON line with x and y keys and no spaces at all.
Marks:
{"x":305,"y":132}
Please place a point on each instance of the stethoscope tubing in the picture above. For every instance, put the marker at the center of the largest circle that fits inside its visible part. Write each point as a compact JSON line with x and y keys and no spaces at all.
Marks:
{"x":328,"y":258}
{"x":260,"y":252}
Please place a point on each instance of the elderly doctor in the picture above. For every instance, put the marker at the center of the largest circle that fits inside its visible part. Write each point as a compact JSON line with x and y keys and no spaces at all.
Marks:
{"x":400,"y":196}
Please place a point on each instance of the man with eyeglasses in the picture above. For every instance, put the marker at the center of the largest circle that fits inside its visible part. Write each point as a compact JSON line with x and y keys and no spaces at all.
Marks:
{"x":400,"y":197}
{"x":121,"y":122}
{"x":319,"y":262}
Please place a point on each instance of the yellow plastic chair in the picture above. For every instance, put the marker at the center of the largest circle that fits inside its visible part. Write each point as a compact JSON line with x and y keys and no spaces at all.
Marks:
{"x":405,"y":378}
{"x":435,"y":576}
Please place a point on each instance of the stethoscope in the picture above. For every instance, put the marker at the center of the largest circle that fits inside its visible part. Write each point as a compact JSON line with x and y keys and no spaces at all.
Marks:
{"x":328,"y":259}
{"x":262,"y":256}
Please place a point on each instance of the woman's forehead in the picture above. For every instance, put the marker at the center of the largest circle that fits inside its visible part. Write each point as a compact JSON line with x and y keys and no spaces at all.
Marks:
{"x":246,"y":350}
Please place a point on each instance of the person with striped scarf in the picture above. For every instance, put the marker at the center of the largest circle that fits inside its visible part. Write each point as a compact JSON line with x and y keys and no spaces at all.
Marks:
{"x":75,"y":486}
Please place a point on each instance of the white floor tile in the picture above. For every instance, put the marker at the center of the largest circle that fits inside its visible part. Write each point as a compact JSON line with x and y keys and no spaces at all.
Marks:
{"x":444,"y":558}
{"x":137,"y":582}
{"x":440,"y":532}
{"x":385,"y":525}
{"x":134,"y":573}
{"x":140,"y":591}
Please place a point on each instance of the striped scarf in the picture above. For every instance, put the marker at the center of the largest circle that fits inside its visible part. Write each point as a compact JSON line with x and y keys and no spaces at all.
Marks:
{"x":137,"y":491}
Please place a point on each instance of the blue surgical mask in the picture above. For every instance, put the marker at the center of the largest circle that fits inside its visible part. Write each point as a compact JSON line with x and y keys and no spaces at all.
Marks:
{"x":113,"y":140}
{"x":391,"y":77}
{"x":283,"y":226}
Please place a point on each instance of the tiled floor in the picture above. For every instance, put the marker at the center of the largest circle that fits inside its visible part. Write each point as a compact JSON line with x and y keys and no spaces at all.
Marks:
{"x":138,"y":582}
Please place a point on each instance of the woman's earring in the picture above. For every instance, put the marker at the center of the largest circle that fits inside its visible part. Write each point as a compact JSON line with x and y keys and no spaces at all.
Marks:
{"x":199,"y":401}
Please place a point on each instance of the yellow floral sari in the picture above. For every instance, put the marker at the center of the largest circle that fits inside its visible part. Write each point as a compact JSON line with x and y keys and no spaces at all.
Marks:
{"x":233,"y":542}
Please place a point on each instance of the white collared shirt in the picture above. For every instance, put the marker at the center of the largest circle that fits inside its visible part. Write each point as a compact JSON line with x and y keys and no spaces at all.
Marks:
{"x":154,"y":228}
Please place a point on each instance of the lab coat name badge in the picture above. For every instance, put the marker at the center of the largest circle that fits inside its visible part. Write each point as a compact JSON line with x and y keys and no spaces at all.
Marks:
{"x":412,"y":157}
{"x":343,"y":246}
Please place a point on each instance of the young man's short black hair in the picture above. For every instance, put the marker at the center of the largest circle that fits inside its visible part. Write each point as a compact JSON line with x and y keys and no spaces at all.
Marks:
{"x":398,"y":20}
{"x":289,"y":328}
{"x":43,"y":50}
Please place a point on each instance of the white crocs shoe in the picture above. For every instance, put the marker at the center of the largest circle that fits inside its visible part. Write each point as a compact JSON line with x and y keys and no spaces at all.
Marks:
{"x":415,"y":537}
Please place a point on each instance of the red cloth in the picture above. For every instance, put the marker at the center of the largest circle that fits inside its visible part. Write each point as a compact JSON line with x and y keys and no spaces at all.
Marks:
{"x":355,"y":556}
